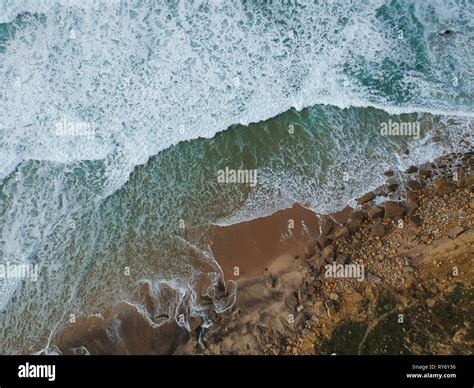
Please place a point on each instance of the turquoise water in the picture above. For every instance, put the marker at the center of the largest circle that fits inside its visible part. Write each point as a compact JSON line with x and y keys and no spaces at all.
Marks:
{"x":170,"y":91}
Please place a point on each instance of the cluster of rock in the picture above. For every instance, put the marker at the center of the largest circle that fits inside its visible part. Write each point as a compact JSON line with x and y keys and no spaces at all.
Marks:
{"x":405,"y":215}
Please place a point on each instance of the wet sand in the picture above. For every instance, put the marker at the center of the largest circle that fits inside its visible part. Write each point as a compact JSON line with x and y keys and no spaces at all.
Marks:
{"x":253,"y":245}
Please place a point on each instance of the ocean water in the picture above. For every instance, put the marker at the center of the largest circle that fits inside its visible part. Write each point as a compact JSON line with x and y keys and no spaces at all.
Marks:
{"x":115,"y":118}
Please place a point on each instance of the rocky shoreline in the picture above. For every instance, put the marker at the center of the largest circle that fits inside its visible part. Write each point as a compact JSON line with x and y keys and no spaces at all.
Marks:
{"x":391,"y":275}
{"x":413,"y":238}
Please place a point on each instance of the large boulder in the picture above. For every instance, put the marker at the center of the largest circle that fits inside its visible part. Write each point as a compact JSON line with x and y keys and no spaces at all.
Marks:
{"x":366,"y":198}
{"x":375,"y":212}
{"x":393,"y":209}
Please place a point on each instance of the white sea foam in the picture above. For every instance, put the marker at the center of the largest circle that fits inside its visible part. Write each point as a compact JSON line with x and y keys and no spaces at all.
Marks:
{"x":143,"y":71}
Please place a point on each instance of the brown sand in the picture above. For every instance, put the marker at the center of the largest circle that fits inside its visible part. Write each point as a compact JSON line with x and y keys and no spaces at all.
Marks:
{"x":253,"y":245}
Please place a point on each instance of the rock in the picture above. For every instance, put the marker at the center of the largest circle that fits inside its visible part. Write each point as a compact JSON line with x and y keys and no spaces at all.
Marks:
{"x":328,"y":253}
{"x":408,"y":269}
{"x":327,"y":225}
{"x":375,"y":212}
{"x":411,"y":170}
{"x":300,"y":308}
{"x":316,"y":262}
{"x":324,"y":241}
{"x":442,"y":187}
{"x":373,"y":278}
{"x":388,"y":173}
{"x":425,"y":173}
{"x":366,"y":198}
{"x":330,"y":308}
{"x":341,"y":232}
{"x":455,"y":232}
{"x":430,"y":302}
{"x":331,"y":312}
{"x":392,"y":184}
{"x":333,"y":296}
{"x":412,"y":196}
{"x":380,"y":191}
{"x":316,"y":309}
{"x":447,"y":33}
{"x":341,"y":259}
{"x":393,"y":210}
{"x":411,"y":206}
{"x":471,"y":205}
{"x":358,"y":217}
{"x":356,"y":220}
{"x":413,"y":185}
{"x":353,"y":228}
{"x":415,"y":220}
{"x":378,"y":230}
{"x":329,"y":304}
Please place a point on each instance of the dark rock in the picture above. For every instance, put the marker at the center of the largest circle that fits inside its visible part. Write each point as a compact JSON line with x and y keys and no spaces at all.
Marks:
{"x":378,"y":230}
{"x":411,"y":206}
{"x":447,"y":33}
{"x":366,"y":198}
{"x":375,"y":212}
{"x":411,"y":170}
{"x":425,"y":173}
{"x":412,"y":196}
{"x":353,"y":227}
{"x":393,"y":209}
{"x":388,"y":173}
{"x":415,"y":220}
{"x":323,"y":242}
{"x":358,"y":217}
{"x":328,"y":253}
{"x":341,"y":259}
{"x":380,"y":191}
{"x":413,"y":185}
{"x":392,"y":184}
{"x":356,"y":220}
